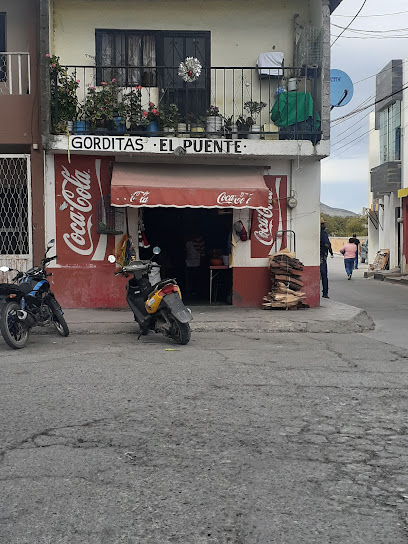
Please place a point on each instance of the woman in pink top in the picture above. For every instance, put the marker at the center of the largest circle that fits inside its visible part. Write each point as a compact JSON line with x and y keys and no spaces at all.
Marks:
{"x":349,"y":252}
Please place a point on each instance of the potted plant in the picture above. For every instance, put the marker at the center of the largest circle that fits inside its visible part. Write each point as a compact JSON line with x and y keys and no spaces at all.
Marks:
{"x":214,"y":121}
{"x":197,"y":125}
{"x":169,"y":117}
{"x":152,"y":117}
{"x":242,"y":127}
{"x":254,"y":109}
{"x":132,"y":103}
{"x":230,"y":128}
{"x":64,"y":100}
{"x":104,"y":109}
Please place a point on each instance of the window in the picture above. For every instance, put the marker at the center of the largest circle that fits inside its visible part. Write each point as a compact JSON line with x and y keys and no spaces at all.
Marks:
{"x":390,"y":133}
{"x":126,"y":55}
{"x":3,"y":61}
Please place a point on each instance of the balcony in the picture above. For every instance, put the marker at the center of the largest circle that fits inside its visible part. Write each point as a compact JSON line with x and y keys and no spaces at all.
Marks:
{"x":15,"y":76}
{"x":16,"y":99}
{"x":225,"y":102}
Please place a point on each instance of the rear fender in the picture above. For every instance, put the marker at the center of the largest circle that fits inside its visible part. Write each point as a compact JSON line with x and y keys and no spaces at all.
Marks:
{"x":177,"y":308}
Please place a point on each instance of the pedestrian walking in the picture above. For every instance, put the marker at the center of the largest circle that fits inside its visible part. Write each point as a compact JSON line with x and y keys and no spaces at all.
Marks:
{"x":325,"y":249}
{"x":358,"y":249}
{"x":349,"y":253}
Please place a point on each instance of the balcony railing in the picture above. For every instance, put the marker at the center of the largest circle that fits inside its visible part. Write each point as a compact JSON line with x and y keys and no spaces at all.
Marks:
{"x":243,"y":103}
{"x":15,"y":75}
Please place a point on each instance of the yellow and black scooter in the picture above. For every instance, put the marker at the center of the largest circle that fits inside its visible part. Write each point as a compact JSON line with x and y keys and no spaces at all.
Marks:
{"x":157,"y":307}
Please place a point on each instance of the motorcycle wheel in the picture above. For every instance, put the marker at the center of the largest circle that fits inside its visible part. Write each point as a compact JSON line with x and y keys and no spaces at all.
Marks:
{"x":14,"y":332}
{"x":58,"y":319}
{"x":179,"y":332}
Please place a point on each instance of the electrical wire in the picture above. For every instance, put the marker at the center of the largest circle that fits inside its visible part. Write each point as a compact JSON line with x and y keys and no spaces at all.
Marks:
{"x":377,"y":15}
{"x":354,"y":18}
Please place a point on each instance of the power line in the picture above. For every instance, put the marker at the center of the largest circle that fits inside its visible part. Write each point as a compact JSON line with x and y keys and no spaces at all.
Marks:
{"x":370,"y":31}
{"x":377,"y":15}
{"x":349,"y":23}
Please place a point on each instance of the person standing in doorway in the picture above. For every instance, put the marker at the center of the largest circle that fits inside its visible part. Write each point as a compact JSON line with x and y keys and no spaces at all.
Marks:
{"x":349,"y":253}
{"x":325,"y":249}
{"x":358,"y":249}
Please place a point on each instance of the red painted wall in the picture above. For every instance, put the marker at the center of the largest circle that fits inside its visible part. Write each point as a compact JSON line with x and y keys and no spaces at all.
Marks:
{"x":86,"y":287}
{"x":250,"y":285}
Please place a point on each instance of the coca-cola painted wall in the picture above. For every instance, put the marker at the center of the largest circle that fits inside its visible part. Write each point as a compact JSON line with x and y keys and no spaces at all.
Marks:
{"x":268,"y":223}
{"x":79,"y":185}
{"x":83,"y":278}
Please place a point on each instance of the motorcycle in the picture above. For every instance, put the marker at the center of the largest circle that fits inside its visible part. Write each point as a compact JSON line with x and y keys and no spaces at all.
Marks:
{"x":158,"y":307}
{"x":27,"y":302}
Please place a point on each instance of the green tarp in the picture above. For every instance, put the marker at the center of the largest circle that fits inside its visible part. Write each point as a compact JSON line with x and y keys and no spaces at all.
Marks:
{"x":293,"y":107}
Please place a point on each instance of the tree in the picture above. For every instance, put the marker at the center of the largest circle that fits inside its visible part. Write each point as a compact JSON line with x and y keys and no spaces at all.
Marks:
{"x":357,"y":225}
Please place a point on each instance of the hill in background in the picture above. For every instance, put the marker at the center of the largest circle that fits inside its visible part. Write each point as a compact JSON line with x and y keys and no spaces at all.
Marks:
{"x":336,"y":212}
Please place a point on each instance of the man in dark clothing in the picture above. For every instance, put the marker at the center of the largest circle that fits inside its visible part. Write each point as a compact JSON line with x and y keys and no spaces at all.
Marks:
{"x":358,"y":250}
{"x":325,"y":249}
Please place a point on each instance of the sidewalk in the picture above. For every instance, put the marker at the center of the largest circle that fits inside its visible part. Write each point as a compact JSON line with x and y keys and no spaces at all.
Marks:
{"x":331,"y":317}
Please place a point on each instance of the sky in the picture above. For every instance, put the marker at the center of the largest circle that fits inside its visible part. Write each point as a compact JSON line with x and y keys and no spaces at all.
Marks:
{"x":345,"y":174}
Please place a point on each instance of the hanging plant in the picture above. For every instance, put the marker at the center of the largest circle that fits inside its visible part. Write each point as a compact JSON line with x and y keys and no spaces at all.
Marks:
{"x":190,"y":69}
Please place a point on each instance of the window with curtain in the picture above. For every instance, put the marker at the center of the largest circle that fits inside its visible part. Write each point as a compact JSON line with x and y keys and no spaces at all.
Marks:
{"x":127,"y":55}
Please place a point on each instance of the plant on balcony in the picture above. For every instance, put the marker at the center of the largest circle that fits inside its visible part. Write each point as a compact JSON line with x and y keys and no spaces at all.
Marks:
{"x":213,"y":111}
{"x":103,"y":107}
{"x":254,"y":109}
{"x":64,"y":100}
{"x":169,"y":116}
{"x":132,"y":103}
{"x":152,"y":116}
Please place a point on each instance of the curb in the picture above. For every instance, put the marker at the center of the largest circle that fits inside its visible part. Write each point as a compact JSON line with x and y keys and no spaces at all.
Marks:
{"x":359,"y":322}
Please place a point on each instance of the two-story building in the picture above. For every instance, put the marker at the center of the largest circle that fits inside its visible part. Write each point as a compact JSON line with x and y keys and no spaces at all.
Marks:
{"x":180,"y":119}
{"x":387,"y":213}
{"x":21,"y":154}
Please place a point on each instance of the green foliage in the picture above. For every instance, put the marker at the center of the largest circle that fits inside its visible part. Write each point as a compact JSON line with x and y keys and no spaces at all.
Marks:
{"x":345,"y":226}
{"x":64,"y":100}
{"x":103,"y":104}
{"x":169,"y":115}
{"x":132,"y":102}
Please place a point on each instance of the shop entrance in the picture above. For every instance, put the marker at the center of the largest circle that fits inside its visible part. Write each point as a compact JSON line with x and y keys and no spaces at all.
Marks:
{"x":192,"y":240}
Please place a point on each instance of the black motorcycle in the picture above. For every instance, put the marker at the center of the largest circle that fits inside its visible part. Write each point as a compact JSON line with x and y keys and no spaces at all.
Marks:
{"x":158,"y":307}
{"x":28,"y":302}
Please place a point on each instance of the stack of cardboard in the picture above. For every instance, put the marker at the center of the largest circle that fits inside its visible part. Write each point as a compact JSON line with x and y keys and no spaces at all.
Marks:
{"x":286,"y":283}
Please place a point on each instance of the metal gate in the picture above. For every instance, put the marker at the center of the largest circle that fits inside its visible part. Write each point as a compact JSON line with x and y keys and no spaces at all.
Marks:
{"x":15,"y":213}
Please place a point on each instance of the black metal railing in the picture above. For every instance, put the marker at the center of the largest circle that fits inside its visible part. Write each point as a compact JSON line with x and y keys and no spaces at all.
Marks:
{"x":230,"y":102}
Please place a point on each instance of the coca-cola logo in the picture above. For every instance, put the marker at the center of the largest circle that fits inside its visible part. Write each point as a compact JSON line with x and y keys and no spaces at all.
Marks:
{"x":265,"y":221}
{"x":141,"y":196}
{"x":77,"y":197}
{"x":236,"y":199}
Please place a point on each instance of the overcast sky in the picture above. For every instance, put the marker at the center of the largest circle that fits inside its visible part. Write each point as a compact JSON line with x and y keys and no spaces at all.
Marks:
{"x":345,"y":174}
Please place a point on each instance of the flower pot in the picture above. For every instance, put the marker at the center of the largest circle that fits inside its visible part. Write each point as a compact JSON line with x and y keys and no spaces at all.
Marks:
{"x":137,"y":129}
{"x":214,"y":126}
{"x":233,"y":134}
{"x":182,"y":130}
{"x":81,"y":127}
{"x":169,"y":131}
{"x":255,"y":133}
{"x":119,"y":125}
{"x":197,"y":131}
{"x":152,"y":128}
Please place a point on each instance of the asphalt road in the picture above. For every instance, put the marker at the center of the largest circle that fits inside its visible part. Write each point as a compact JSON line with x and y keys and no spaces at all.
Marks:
{"x":385,"y":302}
{"x":236,"y":438}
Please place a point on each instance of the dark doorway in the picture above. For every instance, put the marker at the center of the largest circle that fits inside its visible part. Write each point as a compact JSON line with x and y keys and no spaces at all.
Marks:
{"x":171,"y":229}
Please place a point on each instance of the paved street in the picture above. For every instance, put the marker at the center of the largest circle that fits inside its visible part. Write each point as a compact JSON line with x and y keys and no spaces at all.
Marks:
{"x":385,"y":302}
{"x":236,"y":438}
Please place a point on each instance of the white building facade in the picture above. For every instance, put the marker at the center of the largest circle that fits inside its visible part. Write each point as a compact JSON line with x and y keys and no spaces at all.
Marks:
{"x":118,"y":174}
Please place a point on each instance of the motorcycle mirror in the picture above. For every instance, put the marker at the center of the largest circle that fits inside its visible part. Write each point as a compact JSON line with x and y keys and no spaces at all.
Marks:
{"x":111,"y":259}
{"x":5,"y":268}
{"x":156,"y":250}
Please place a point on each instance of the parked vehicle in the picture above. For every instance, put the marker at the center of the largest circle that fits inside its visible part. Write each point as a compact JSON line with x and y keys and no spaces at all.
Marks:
{"x":364,"y":251}
{"x":158,"y":308}
{"x":28,"y":302}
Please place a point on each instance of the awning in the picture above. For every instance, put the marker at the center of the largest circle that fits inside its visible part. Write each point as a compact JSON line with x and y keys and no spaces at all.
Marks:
{"x":403,"y":192}
{"x":189,"y":186}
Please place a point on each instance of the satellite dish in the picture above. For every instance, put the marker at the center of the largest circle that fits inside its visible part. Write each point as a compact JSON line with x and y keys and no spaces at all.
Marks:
{"x":341,"y":88}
